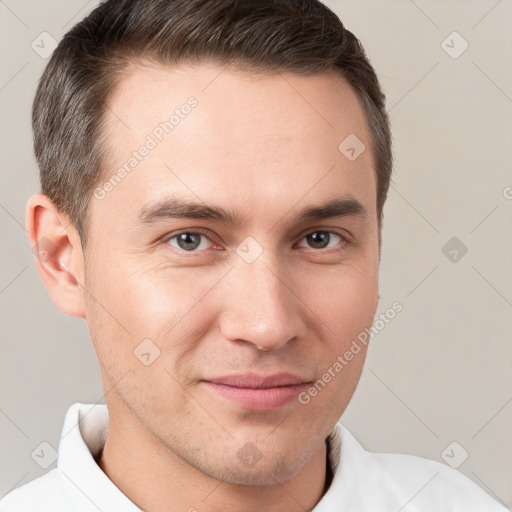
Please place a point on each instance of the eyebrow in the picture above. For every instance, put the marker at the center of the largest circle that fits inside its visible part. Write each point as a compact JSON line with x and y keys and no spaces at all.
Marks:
{"x":174,"y":207}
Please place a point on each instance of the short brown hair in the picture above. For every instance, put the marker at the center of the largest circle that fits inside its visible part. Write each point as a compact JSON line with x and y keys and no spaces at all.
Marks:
{"x":300,"y":36}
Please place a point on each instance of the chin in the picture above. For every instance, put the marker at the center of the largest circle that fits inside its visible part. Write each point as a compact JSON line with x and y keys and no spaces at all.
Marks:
{"x":258,"y":477}
{"x":261,"y":472}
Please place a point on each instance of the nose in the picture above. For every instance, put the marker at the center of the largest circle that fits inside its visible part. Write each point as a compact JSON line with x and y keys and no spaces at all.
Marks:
{"x":261,"y":306}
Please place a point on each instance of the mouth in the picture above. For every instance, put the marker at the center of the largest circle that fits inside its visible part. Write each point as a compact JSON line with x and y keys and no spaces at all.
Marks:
{"x":258,"y":392}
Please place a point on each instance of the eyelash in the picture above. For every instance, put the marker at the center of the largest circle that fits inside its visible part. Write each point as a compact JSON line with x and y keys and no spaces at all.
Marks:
{"x":341,"y":246}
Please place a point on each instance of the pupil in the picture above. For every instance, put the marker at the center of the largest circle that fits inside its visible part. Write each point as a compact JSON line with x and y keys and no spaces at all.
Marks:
{"x":319,"y":238}
{"x":188,"y":241}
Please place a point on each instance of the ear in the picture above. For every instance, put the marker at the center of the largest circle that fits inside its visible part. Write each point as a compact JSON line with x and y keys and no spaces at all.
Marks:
{"x":58,"y":251}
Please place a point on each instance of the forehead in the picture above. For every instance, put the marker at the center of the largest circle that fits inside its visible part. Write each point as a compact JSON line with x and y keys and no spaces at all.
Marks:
{"x":302,"y":106}
{"x":231,"y":136}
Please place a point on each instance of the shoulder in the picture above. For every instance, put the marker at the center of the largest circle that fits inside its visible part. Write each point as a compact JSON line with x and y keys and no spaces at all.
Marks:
{"x":398,"y":480}
{"x":427,"y":483}
{"x":44,"y":494}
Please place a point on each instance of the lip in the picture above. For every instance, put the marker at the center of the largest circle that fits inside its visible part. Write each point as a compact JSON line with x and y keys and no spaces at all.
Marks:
{"x":258,"y":392}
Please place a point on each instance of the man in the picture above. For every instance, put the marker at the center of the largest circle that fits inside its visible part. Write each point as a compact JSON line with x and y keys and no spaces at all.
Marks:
{"x":213,"y":180}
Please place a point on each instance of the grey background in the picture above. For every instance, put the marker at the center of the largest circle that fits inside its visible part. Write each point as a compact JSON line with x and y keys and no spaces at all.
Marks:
{"x":441,"y":370}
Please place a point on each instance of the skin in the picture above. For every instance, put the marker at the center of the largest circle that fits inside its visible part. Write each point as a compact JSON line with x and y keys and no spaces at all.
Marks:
{"x":265,"y":147}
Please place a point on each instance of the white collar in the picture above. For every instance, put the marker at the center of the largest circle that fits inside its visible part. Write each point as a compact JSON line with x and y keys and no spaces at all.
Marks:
{"x":82,"y":444}
{"x":85,"y":443}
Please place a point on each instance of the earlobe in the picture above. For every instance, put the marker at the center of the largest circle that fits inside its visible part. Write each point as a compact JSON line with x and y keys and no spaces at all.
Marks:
{"x":58,"y":252}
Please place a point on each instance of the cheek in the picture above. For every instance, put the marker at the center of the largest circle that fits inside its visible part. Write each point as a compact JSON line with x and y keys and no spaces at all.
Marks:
{"x":144,"y":298}
{"x":345,"y":300}
{"x":168,"y":304}
{"x":170,"y":307}
{"x":346,"y":303}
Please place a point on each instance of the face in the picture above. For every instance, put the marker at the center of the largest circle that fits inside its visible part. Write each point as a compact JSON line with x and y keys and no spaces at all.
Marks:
{"x":213,"y":322}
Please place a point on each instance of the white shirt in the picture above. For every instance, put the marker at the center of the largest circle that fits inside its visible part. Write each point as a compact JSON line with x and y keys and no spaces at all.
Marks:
{"x":362,"y":482}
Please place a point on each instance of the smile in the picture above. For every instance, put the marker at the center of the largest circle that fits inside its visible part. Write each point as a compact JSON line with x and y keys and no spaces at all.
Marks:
{"x":258,"y":392}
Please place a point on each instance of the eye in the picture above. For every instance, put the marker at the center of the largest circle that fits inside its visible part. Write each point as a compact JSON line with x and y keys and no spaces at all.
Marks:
{"x":196,"y":241}
{"x":322,"y":239}
{"x":189,"y":241}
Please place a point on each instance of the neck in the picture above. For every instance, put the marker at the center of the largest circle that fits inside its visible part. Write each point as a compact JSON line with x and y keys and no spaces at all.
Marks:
{"x":157,"y":480}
